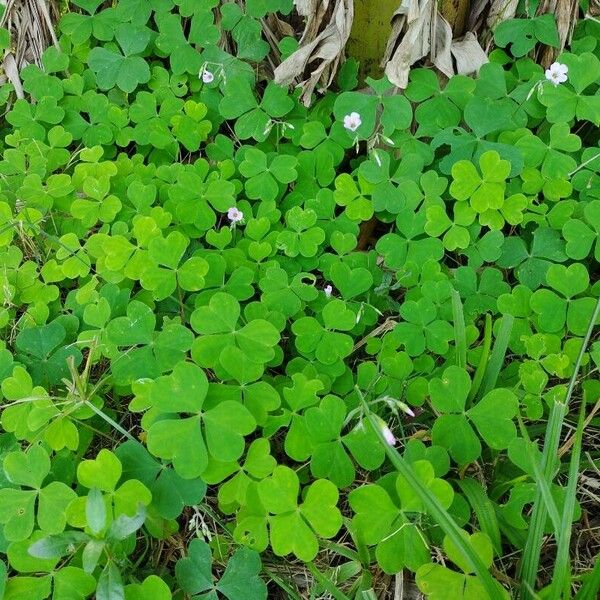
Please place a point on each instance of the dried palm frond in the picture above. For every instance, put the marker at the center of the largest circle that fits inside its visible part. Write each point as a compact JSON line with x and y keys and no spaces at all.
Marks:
{"x":321,"y":51}
{"x":454,"y":36}
{"x":30,"y":25}
{"x":486,"y":15}
{"x":419,"y":31}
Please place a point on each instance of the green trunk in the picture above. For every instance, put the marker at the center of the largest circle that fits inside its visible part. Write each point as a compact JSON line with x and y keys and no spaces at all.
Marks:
{"x":370,"y":32}
{"x":456,"y":13}
{"x":372,"y":27}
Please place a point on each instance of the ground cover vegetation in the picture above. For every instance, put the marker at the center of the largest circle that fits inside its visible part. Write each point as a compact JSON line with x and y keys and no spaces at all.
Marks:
{"x":253,"y":348}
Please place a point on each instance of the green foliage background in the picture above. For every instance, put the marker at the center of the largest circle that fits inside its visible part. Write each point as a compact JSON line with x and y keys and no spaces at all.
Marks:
{"x":152,"y":348}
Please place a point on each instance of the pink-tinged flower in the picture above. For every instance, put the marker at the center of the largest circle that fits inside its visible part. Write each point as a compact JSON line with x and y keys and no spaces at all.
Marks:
{"x":388,"y":435}
{"x":352,"y":121}
{"x":235,"y":215}
{"x":557,"y":73}
{"x":386,"y":431}
{"x":207,"y":76}
{"x":406,"y":409}
{"x":328,"y":290}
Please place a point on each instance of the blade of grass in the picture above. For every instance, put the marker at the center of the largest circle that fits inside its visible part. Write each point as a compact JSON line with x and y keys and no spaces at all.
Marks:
{"x":363,"y":587}
{"x":325,"y":583}
{"x":367,"y":595}
{"x":361,"y":548}
{"x":540,"y":481}
{"x":341,"y":550}
{"x":436,"y":510}
{"x":591,"y":585}
{"x":544,"y":490}
{"x":484,"y":511}
{"x":291,"y":593}
{"x":483,"y":360}
{"x":110,"y":421}
{"x":497,"y":357}
{"x":533,"y":546}
{"x":460,"y":336}
{"x":561,"y":578}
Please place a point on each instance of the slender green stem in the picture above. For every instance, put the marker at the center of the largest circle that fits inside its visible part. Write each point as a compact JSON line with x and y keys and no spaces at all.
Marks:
{"x":483,"y":360}
{"x":591,"y":586}
{"x":291,"y":593}
{"x":325,"y":583}
{"x":111,"y":422}
{"x":483,"y":509}
{"x":533,"y":545}
{"x":498,"y":353}
{"x":584,"y":164}
{"x":341,"y":550}
{"x":460,"y":337}
{"x":544,"y":489}
{"x":439,"y":514}
{"x":561,"y":579}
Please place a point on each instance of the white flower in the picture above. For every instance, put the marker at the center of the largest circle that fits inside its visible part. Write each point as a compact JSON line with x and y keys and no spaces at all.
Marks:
{"x":328,"y":289}
{"x":352,"y":121}
{"x":207,"y":76}
{"x":557,"y":73}
{"x":235,"y":215}
{"x":386,"y":431}
{"x":407,"y":409}
{"x":388,"y":435}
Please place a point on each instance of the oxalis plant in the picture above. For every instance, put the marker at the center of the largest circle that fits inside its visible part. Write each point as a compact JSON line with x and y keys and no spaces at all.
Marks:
{"x":256,"y":349}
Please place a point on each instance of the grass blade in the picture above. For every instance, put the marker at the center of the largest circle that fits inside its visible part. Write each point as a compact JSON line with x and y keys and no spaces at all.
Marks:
{"x":540,"y":481}
{"x":544,"y":489}
{"x":497,"y":357}
{"x":436,"y":511}
{"x":484,"y":511}
{"x":590,"y":588}
{"x":341,"y":550}
{"x":277,"y":580}
{"x":483,"y":361}
{"x":561,"y":578}
{"x":460,"y":336}
{"x":533,"y":546}
{"x":110,"y":421}
{"x":325,"y":583}
{"x":367,"y":595}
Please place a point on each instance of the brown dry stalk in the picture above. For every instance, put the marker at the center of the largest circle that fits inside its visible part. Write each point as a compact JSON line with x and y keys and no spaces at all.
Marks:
{"x":30,"y":23}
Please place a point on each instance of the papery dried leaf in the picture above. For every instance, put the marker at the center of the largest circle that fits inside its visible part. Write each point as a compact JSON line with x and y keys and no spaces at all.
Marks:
{"x":304,"y":7}
{"x":322,"y":52}
{"x":419,"y":31}
{"x":408,"y":11}
{"x":278,"y":26}
{"x":468,"y":54}
{"x":31,"y":28}
{"x":316,"y":15}
{"x":501,"y":10}
{"x":12,"y":73}
{"x":485,"y":15}
{"x":409,"y":41}
{"x":441,"y":46}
